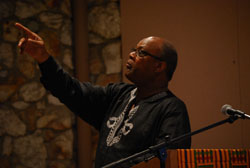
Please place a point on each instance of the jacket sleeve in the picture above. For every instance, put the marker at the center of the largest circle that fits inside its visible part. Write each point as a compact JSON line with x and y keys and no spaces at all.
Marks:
{"x":85,"y":100}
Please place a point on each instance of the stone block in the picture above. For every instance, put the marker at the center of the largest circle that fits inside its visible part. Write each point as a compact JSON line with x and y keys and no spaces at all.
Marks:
{"x":105,"y":20}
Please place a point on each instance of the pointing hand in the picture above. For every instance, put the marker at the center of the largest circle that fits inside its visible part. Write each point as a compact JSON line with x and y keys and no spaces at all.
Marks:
{"x":32,"y":44}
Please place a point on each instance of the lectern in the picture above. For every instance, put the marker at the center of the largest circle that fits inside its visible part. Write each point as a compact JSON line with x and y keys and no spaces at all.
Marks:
{"x":202,"y":158}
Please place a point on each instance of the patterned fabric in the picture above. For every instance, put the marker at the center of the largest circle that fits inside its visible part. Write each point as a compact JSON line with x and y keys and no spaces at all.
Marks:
{"x":114,"y":123}
{"x":213,"y":158}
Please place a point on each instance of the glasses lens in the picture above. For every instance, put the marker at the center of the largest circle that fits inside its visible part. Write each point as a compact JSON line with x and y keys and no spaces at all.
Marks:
{"x":141,"y":53}
{"x":138,"y":52}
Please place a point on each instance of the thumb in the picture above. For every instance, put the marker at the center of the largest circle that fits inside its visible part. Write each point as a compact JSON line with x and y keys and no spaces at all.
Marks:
{"x":35,"y":42}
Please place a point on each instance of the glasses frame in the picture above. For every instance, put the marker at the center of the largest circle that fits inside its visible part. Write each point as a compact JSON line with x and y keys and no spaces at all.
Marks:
{"x":142,"y":53}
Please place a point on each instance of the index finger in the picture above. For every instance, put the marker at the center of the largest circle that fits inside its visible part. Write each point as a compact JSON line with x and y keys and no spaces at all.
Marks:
{"x":25,"y":29}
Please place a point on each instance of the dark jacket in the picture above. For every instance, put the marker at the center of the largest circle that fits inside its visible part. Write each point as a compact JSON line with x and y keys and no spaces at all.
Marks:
{"x":123,"y":130}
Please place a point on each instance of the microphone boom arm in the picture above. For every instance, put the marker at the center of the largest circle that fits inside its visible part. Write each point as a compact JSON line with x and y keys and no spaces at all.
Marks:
{"x":155,"y":148}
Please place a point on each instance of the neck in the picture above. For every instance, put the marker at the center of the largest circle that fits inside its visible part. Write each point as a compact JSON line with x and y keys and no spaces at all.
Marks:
{"x":146,"y":91}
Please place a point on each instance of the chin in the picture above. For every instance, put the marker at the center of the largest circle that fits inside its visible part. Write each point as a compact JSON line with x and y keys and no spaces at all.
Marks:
{"x":130,"y":77}
{"x":127,"y":75}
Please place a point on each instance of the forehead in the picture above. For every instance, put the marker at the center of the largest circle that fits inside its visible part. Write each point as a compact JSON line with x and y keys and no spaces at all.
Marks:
{"x":152,"y":44}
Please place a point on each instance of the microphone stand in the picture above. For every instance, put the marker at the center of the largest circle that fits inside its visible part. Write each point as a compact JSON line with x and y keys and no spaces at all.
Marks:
{"x":161,"y":147}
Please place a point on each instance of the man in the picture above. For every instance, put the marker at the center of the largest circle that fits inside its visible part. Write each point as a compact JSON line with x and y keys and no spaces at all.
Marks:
{"x":129,"y":117}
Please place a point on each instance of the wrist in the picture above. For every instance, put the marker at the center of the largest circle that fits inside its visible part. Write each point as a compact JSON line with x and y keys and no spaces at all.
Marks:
{"x":43,"y":58}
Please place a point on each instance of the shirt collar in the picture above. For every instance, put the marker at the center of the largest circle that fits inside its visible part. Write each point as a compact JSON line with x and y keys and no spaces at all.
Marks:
{"x":151,"y":98}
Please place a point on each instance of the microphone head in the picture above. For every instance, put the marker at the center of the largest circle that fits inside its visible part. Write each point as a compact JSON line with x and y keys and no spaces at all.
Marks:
{"x":225,"y":108}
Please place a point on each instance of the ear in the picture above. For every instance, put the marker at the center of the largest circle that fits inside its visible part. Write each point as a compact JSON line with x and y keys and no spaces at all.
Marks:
{"x":160,"y":66}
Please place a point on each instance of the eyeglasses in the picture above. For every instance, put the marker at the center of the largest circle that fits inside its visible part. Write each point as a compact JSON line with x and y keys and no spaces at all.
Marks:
{"x":142,"y":53}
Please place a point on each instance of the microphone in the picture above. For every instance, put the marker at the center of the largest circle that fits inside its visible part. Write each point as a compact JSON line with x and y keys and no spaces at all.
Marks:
{"x":228,"y":110}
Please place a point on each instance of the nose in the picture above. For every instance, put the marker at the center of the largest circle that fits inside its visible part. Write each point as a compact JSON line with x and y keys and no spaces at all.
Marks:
{"x":132,"y":55}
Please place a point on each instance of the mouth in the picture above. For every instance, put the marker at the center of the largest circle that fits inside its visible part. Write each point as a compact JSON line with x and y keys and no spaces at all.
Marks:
{"x":128,"y":66}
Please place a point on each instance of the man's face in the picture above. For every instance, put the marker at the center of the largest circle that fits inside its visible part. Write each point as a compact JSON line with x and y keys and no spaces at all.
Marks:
{"x":140,"y":67}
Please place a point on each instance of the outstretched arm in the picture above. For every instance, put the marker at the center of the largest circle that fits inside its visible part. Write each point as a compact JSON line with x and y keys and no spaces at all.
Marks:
{"x":32,"y":44}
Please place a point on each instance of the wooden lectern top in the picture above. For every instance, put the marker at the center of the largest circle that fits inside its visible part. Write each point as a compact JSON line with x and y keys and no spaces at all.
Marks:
{"x":197,"y":158}
{"x":171,"y":161}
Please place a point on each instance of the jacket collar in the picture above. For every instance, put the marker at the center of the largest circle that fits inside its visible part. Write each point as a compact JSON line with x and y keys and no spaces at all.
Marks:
{"x":151,"y":98}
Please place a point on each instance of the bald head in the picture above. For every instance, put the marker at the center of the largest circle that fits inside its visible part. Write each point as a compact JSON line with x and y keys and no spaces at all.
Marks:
{"x":166,"y":51}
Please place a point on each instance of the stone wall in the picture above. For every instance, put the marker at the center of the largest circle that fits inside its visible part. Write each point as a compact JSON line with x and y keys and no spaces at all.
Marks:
{"x":104,"y":42}
{"x":36,"y":130}
{"x":105,"y":60}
